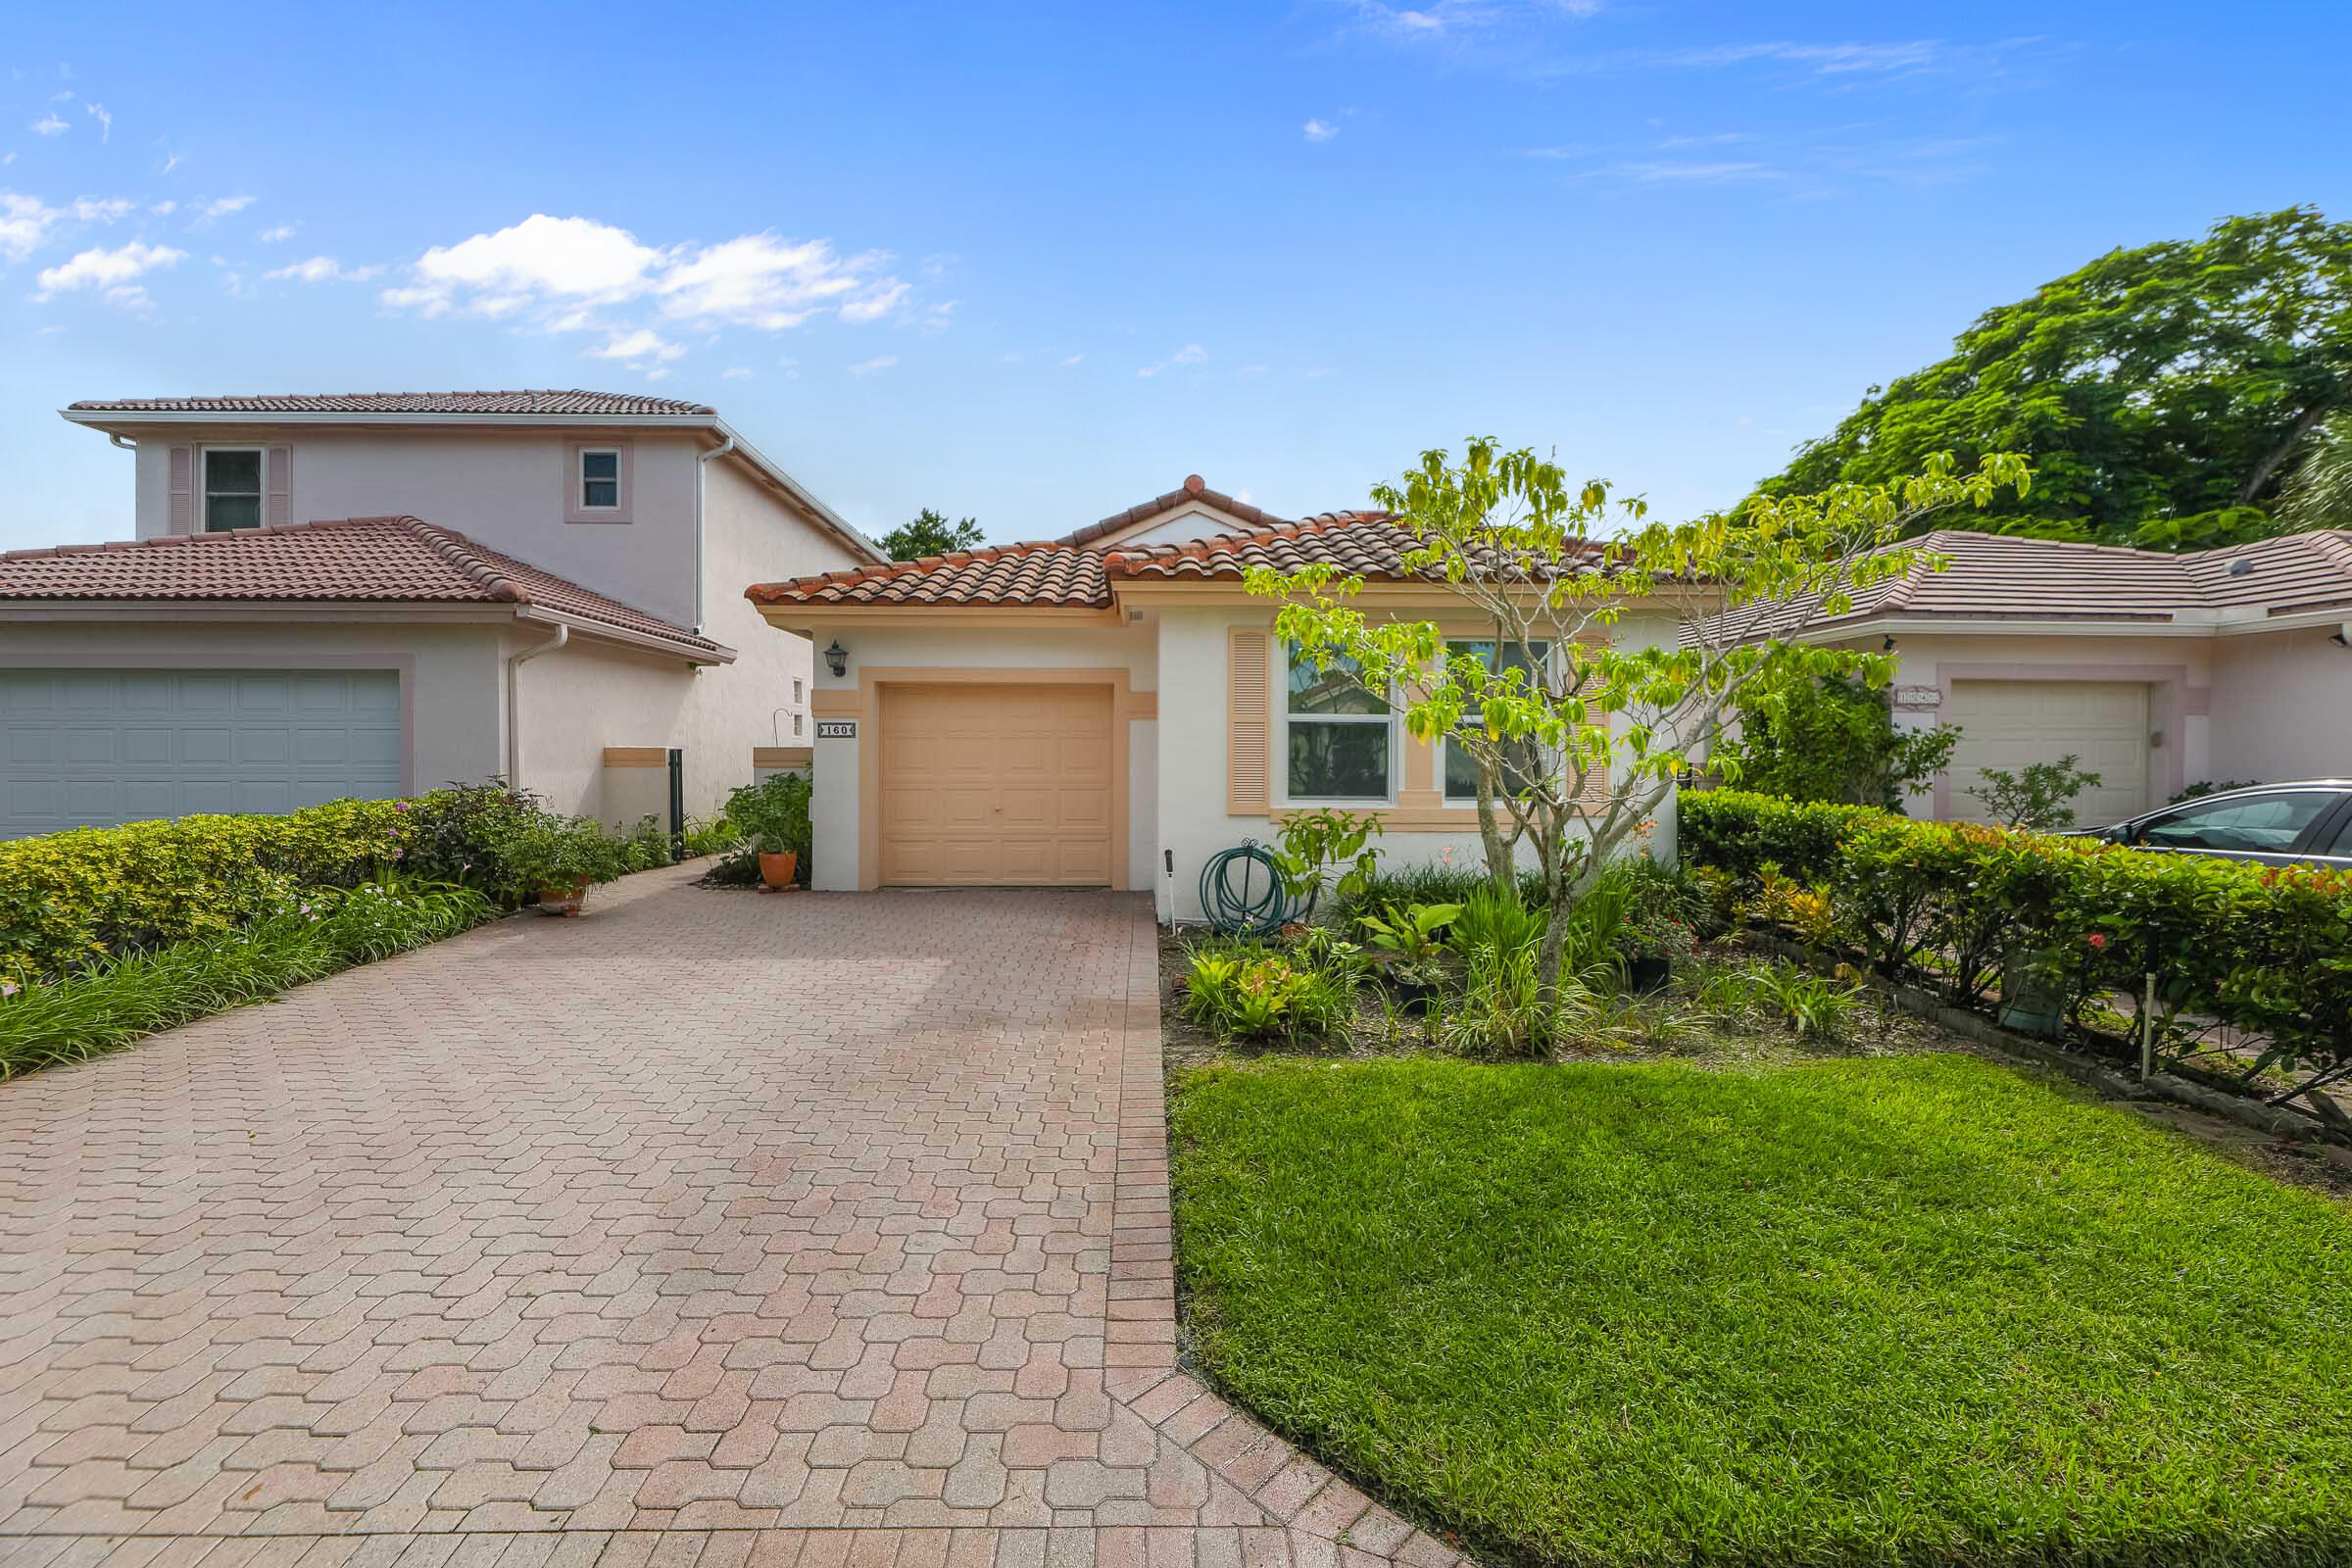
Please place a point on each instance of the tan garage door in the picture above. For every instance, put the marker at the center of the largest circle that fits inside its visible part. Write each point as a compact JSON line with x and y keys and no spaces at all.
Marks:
{"x":2010,"y":723}
{"x":1005,"y":786}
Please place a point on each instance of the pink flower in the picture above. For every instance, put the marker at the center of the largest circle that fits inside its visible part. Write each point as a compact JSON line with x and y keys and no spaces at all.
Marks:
{"x":2098,"y":940}
{"x":8,"y":988}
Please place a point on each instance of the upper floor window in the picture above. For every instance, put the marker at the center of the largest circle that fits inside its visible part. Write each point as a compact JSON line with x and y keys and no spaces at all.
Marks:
{"x":795,"y":688}
{"x":597,"y":481}
{"x":232,"y":488}
{"x":600,"y":480}
{"x":1339,"y":740}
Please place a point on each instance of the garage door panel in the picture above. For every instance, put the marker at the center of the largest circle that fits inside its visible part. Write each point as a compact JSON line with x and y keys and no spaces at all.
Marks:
{"x":2012,"y":724}
{"x":91,"y":746}
{"x":994,"y":785}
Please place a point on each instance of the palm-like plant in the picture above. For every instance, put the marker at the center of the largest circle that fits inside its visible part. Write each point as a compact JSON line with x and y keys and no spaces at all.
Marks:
{"x":2318,"y":493}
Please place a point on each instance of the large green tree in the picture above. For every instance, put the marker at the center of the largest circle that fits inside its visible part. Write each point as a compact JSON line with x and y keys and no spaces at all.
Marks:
{"x":2163,"y":395}
{"x":930,"y":534}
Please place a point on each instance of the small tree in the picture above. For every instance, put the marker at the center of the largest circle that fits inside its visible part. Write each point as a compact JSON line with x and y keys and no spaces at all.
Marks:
{"x":2038,"y":795}
{"x":930,"y":534}
{"x":1833,"y":740}
{"x":1574,"y":738}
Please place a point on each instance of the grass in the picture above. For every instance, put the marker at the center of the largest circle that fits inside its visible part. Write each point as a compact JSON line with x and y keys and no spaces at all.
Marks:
{"x":1915,"y":1310}
{"x":109,"y":1005}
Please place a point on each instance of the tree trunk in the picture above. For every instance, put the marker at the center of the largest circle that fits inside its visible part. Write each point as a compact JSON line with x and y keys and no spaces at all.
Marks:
{"x":2278,"y":453}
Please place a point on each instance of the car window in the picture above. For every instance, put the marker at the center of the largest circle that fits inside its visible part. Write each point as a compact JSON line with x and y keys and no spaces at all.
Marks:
{"x":2253,"y":825}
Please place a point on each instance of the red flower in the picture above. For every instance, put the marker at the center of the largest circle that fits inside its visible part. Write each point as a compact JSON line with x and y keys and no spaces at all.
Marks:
{"x":2098,"y":940}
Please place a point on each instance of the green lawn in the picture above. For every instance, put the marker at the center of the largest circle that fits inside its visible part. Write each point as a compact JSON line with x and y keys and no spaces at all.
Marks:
{"x":1903,"y":1310}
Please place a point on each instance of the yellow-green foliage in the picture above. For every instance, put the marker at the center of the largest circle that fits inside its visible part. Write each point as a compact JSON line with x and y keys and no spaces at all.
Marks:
{"x":70,"y":898}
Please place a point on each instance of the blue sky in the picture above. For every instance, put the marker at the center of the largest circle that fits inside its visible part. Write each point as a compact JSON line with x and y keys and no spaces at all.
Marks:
{"x":1037,"y":263}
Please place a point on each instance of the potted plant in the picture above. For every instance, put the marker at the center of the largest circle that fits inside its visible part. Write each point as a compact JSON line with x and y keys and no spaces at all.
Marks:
{"x":560,"y":859}
{"x":773,"y":817}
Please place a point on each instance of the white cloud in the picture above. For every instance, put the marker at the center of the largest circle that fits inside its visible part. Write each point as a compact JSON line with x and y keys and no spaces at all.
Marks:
{"x":27,"y":222}
{"x":106,"y":121}
{"x":880,"y":361}
{"x":1190,"y":354}
{"x":111,"y":270}
{"x":569,"y":272}
{"x":322,"y":269}
{"x":1317,"y":130}
{"x":164,"y":209}
{"x":1253,"y":370}
{"x":1716,"y":174}
{"x":271,"y":237}
{"x":643,"y":344}
{"x":736,"y":372}
{"x":1073,"y":359}
{"x":207,"y":212}
{"x":49,"y":126}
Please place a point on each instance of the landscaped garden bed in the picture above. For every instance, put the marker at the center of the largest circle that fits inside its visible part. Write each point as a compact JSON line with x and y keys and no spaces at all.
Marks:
{"x":1753,"y":1267}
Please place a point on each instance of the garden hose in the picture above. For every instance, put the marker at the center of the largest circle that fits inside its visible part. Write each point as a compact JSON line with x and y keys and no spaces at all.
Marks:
{"x":1243,"y":895}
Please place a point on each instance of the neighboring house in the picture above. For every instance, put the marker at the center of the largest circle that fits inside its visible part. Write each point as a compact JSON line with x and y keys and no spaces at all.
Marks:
{"x":544,"y":585}
{"x":1112,"y":708}
{"x":2158,"y":670}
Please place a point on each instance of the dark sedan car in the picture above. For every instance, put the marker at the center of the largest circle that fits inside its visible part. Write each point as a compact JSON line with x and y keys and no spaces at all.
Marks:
{"x":2309,"y":823}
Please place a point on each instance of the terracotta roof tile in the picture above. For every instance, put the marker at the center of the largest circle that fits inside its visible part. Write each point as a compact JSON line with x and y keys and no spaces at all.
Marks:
{"x":529,"y":402}
{"x":1193,"y":489}
{"x":1367,"y":544}
{"x":393,"y":560}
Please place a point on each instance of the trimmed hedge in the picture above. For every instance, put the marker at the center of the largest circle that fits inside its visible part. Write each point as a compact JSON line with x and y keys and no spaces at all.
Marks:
{"x":2266,"y":951}
{"x":75,"y":898}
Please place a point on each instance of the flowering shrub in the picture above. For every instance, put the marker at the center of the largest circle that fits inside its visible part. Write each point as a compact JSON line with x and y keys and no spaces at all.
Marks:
{"x":2262,"y":951}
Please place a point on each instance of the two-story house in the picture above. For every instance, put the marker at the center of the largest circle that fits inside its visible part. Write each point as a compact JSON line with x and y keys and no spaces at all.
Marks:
{"x":372,"y":595}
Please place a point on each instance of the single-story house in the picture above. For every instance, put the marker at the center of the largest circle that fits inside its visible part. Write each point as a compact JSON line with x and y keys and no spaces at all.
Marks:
{"x":544,"y":585}
{"x":2160,"y":671}
{"x":1112,"y":708}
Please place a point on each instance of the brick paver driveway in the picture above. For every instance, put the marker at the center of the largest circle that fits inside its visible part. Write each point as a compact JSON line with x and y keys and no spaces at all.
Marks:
{"x":822,"y":1230}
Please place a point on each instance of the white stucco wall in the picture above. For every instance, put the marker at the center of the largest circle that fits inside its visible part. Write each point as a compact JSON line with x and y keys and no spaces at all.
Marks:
{"x":506,"y":488}
{"x":449,"y":672}
{"x":833,"y":804}
{"x":2282,"y":707}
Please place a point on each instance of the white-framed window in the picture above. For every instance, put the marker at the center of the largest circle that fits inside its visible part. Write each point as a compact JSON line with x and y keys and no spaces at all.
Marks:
{"x":1339,"y":740}
{"x":600,"y":479}
{"x":234,"y":481}
{"x":796,"y":723}
{"x":1459,"y":766}
{"x":795,"y":688}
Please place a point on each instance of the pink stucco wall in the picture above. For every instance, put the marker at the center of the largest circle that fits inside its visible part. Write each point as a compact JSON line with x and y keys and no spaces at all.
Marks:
{"x":2282,"y":706}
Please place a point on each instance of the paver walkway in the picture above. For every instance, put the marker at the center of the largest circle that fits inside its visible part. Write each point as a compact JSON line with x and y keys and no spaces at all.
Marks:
{"x":827,"y":1232}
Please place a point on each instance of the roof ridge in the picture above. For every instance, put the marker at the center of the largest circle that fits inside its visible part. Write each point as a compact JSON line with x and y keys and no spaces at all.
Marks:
{"x":465,"y":556}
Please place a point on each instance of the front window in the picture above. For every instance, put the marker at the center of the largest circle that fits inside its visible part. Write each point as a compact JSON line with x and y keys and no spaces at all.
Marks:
{"x":1522,"y":757}
{"x":232,"y":488}
{"x":796,"y":723}
{"x":1339,"y":742}
{"x":796,"y":689}
{"x":600,"y":479}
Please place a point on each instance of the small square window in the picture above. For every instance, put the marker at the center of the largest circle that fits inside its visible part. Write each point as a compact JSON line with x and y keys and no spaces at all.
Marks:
{"x":600,"y":482}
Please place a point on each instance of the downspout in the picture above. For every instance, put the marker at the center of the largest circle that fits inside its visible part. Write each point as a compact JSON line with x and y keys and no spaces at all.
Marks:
{"x":515,"y":662}
{"x":116,"y":436}
{"x":700,"y":470}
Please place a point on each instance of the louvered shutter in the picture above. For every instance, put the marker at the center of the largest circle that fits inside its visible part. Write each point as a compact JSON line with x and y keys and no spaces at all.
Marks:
{"x":278,"y":508}
{"x":1250,"y":738}
{"x":182,"y":515}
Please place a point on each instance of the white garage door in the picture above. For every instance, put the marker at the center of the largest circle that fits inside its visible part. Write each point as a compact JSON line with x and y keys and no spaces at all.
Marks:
{"x":2010,"y":723}
{"x":84,"y":748}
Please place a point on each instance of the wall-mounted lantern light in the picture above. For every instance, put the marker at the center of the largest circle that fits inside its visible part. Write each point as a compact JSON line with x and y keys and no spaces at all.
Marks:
{"x":837,"y":659}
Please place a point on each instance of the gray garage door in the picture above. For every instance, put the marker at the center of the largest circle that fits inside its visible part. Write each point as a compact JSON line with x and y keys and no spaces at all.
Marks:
{"x":82,"y":748}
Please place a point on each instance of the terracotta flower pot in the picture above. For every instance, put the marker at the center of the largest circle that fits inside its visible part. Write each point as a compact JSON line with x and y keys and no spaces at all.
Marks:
{"x":778,"y":870}
{"x":564,"y":901}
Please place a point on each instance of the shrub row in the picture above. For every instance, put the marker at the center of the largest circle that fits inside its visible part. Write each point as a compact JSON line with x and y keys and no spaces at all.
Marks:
{"x":2264,"y":951}
{"x":95,"y":894}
